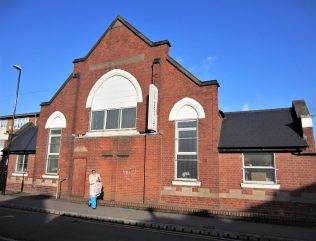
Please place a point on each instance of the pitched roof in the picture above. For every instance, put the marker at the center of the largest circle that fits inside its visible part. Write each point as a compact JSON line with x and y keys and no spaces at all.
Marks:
{"x":24,"y":140}
{"x":120,"y":20}
{"x":117,"y":21}
{"x":264,"y":130}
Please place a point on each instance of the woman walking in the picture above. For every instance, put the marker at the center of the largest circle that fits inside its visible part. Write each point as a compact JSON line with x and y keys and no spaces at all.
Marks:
{"x":95,"y":188}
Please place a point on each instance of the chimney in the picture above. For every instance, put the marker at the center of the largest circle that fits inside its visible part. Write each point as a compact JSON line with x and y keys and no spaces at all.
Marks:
{"x":302,"y":113}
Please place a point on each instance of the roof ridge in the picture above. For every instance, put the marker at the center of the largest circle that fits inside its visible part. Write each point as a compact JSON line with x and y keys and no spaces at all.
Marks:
{"x":254,"y":111}
{"x":131,"y":28}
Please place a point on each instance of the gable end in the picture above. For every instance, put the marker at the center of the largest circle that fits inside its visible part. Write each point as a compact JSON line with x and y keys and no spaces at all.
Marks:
{"x":118,"y":21}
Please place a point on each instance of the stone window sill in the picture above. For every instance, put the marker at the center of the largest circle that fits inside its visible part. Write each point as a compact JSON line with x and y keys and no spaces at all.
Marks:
{"x":186,"y":183}
{"x":261,"y":186}
{"x":111,"y":133}
{"x":17,"y":174}
{"x":50,"y":176}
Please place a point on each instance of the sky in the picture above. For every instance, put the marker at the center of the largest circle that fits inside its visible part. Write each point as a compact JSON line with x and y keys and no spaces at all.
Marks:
{"x":263,"y":52}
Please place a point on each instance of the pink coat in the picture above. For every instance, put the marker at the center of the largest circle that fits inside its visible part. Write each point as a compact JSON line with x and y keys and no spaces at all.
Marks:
{"x":93,"y":178}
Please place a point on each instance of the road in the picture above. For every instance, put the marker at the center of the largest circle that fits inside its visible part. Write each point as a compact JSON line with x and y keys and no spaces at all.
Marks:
{"x":31,"y":226}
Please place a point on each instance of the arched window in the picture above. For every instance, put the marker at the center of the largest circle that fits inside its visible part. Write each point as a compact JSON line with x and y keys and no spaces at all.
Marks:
{"x":186,"y":113}
{"x":54,"y":123}
{"x":113,"y":101}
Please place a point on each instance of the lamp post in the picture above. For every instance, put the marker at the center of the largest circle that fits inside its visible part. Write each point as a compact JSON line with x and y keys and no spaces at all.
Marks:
{"x":12,"y":129}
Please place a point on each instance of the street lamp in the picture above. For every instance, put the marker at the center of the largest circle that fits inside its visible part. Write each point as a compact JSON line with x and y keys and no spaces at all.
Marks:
{"x":12,"y":129}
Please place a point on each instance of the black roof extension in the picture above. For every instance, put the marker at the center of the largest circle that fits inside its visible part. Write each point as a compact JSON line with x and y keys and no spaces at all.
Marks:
{"x":276,"y":130}
{"x":24,"y":140}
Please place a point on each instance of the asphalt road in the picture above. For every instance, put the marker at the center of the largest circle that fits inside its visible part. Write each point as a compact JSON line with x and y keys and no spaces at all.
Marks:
{"x":21,"y":225}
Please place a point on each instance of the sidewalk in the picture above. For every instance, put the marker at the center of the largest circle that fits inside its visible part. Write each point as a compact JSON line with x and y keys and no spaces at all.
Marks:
{"x":216,"y":227}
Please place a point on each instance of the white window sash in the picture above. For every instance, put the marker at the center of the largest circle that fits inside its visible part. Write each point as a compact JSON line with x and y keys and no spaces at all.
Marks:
{"x":49,"y":147}
{"x":259,"y":167}
{"x":177,"y":152}
{"x":105,"y":119}
{"x":17,"y":164}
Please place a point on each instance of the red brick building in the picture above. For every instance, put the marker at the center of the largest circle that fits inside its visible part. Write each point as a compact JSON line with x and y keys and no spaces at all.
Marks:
{"x":157,"y":137}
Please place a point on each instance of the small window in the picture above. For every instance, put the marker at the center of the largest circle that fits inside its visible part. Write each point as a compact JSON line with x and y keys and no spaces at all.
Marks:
{"x":18,"y":123}
{"x":21,"y":164}
{"x":3,"y":124}
{"x":124,"y":118}
{"x":53,"y":151}
{"x":259,"y":168}
{"x":186,"y":150}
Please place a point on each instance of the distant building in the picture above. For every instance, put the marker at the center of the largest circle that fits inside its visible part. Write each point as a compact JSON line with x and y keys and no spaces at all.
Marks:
{"x":19,"y":157}
{"x":157,"y":137}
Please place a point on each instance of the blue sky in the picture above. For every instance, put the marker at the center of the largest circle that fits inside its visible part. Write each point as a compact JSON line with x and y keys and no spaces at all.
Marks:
{"x":263,"y":53}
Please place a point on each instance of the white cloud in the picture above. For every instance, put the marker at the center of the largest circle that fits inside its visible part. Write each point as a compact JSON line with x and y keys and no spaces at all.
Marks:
{"x":245,"y":107}
{"x":210,"y":59}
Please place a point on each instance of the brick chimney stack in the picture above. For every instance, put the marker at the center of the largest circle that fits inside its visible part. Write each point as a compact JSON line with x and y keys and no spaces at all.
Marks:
{"x":306,"y":120}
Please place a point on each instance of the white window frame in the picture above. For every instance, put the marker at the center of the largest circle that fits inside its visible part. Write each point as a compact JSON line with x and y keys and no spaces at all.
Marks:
{"x":53,"y":154}
{"x":3,"y":124}
{"x":260,"y":184}
{"x":186,"y":153}
{"x":25,"y":158}
{"x":120,"y":120}
{"x":19,"y":122}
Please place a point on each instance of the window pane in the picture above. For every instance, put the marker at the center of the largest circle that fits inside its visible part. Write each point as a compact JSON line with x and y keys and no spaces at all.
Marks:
{"x":52,"y":164}
{"x":260,"y":175}
{"x":187,"y":145}
{"x":187,"y":169}
{"x":3,"y":123}
{"x":186,"y":157}
{"x":187,"y":134}
{"x":187,"y":124}
{"x":21,"y":165}
{"x":55,"y":131}
{"x":97,"y":120}
{"x":55,"y":144}
{"x":112,"y":119}
{"x":20,"y":122}
{"x":128,"y":118}
{"x":265,"y":160}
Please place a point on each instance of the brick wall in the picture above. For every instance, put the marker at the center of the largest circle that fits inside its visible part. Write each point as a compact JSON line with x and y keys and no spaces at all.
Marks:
{"x":295,"y":175}
{"x":139,"y":169}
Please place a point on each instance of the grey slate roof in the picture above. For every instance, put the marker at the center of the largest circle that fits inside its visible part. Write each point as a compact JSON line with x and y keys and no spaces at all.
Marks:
{"x":264,"y":130}
{"x":24,"y":140}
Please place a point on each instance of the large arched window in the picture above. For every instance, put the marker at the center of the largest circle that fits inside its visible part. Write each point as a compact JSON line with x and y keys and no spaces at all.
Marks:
{"x":54,"y":123}
{"x":113,"y":101}
{"x":186,"y":113}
